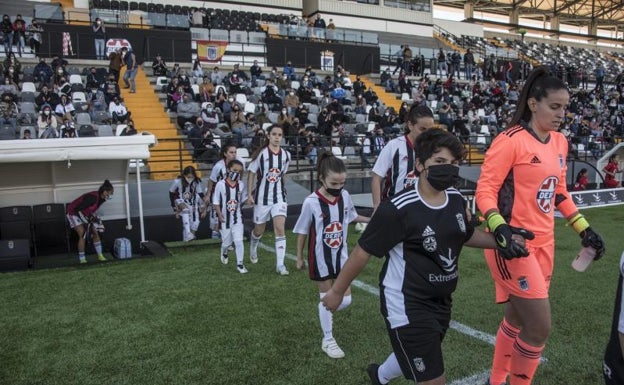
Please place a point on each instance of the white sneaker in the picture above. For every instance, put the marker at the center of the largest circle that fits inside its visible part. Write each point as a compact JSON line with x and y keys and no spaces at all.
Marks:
{"x":231,"y":248}
{"x":253,"y":258}
{"x":224,"y":259}
{"x":242,"y":269}
{"x":189,"y":238}
{"x":82,"y":259}
{"x":281,"y":270}
{"x":332,"y":349}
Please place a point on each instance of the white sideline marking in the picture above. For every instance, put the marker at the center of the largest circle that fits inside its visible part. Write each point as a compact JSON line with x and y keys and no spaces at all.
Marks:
{"x":477,"y":379}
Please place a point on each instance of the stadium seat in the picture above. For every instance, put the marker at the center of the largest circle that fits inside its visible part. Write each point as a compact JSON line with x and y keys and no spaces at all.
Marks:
{"x":32,"y":129}
{"x":79,"y":97}
{"x":241,"y":99}
{"x":104,"y":130}
{"x":73,"y":71}
{"x":50,"y":226}
{"x":27,"y":96}
{"x":243,"y":154}
{"x":83,"y":118}
{"x":29,"y":87}
{"x":101,"y":117}
{"x":86,"y":131}
{"x":295,"y":85}
{"x":75,"y":79}
{"x":14,"y":254}
{"x":249,"y":107}
{"x":337,"y":152}
{"x":161,"y":81}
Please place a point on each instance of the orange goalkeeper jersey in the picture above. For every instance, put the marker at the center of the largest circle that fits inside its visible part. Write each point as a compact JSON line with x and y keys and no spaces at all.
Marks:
{"x":525,"y":178}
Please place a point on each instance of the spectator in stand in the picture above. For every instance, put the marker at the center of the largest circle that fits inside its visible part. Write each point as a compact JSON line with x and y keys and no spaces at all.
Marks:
{"x":216,"y":76}
{"x":289,"y":71}
{"x":270,"y":95}
{"x":256,"y":73}
{"x":159,"y":67}
{"x":115,"y":63}
{"x":99,"y":32}
{"x":387,"y":122}
{"x":132,"y":67}
{"x":442,"y":67}
{"x":611,"y":170}
{"x":27,"y":134}
{"x":360,"y":105}
{"x":197,"y":72}
{"x":129,"y":130}
{"x":96,"y":100}
{"x":599,"y":72}
{"x":8,"y":113}
{"x":379,"y":140}
{"x":188,"y":110}
{"x":171,"y":89}
{"x":11,"y":73}
{"x":399,"y":59}
{"x":386,"y":79}
{"x":7,"y":31}
{"x":19,"y":30}
{"x":210,"y":116}
{"x":371,"y":96}
{"x":237,"y":118}
{"x":46,"y":96}
{"x":405,"y":84}
{"x":42,"y":72}
{"x":34,"y":31}
{"x":469,"y":63}
{"x":174,"y":72}
{"x":197,"y":17}
{"x":336,"y":110}
{"x":403,"y":112}
{"x":8,"y":87}
{"x":407,"y":59}
{"x":64,"y":109}
{"x":240,"y":73}
{"x":118,"y":112}
{"x":111,"y":89}
{"x":68,"y":129}
{"x":176,"y":98}
{"x":206,"y":90}
{"x":46,"y":119}
{"x":319,"y":27}
{"x":63,"y":86}
{"x":93,"y":80}
{"x":236,"y":84}
{"x":374,"y":114}
{"x":58,"y":61}
{"x":284,"y":120}
{"x":291,"y":101}
{"x":581,"y":182}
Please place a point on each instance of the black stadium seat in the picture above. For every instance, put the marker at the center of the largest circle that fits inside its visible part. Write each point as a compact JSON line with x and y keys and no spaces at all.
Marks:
{"x":143,"y":7}
{"x":134,"y":6}
{"x":14,"y":254}
{"x":50,"y":227}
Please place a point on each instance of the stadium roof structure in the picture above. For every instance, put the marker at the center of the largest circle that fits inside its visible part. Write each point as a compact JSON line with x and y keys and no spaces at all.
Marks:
{"x":605,"y":14}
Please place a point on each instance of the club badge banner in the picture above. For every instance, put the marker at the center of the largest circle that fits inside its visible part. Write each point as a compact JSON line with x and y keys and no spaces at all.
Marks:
{"x":210,"y":50}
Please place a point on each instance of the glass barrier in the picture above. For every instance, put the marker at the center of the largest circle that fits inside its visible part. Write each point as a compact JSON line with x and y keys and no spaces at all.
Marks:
{"x":303,"y":32}
{"x":49,"y":12}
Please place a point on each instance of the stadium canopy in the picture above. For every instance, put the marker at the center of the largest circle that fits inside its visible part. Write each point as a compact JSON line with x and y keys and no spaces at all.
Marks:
{"x":59,"y":170}
{"x":601,"y":14}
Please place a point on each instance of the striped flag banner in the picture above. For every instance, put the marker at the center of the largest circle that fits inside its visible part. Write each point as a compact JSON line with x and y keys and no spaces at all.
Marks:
{"x":210,"y":50}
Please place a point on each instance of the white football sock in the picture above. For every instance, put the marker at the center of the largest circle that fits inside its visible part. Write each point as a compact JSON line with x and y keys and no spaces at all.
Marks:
{"x":326,"y":318}
{"x":280,"y":250}
{"x":389,"y":370}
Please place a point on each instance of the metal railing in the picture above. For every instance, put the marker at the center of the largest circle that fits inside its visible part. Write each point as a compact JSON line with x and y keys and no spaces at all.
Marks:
{"x":337,"y":35}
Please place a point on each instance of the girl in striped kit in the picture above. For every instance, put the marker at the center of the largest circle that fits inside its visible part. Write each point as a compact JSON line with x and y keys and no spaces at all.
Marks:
{"x":187,"y":200}
{"x":269,"y":166}
{"x":325,"y":217}
{"x":227,"y":201}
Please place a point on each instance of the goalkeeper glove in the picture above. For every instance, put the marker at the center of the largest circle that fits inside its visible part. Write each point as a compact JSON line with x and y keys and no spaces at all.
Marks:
{"x":589,"y":238}
{"x":507,"y":247}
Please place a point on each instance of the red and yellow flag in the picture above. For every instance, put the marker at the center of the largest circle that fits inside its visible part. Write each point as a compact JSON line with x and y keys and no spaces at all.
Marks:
{"x":210,"y":50}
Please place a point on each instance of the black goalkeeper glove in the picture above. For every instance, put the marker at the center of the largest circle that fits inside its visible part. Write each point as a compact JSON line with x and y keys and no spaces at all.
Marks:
{"x":589,"y":238}
{"x":503,"y":232}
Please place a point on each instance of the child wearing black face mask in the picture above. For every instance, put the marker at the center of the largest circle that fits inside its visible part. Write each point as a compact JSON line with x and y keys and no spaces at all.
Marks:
{"x":227,"y":201}
{"x":325,"y":215}
{"x":420,"y":232}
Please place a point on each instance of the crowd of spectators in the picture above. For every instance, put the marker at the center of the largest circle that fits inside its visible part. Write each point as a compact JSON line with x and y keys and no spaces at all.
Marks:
{"x":56,"y":100}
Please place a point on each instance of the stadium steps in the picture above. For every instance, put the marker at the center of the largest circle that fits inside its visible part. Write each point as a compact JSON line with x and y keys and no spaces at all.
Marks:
{"x":74,"y":15}
{"x":149,"y":115}
{"x":448,"y":43}
{"x":388,"y":99}
{"x":474,"y":155}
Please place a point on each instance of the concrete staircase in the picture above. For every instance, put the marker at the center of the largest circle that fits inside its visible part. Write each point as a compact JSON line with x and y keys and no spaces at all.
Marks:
{"x":389,"y":99}
{"x":169,"y":155}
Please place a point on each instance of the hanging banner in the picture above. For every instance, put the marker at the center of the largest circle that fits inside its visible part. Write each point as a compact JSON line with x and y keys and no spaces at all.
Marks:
{"x":210,"y":50}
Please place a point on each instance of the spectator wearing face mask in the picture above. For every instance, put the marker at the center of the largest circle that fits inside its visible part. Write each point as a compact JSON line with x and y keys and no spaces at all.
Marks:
{"x":43,"y":72}
{"x":237,"y":118}
{"x":282,"y":83}
{"x":291,"y":101}
{"x":46,"y":97}
{"x":35,"y":30}
{"x":99,"y":38}
{"x":68,"y":130}
{"x":64,"y":110}
{"x":210,"y":117}
{"x":206,"y":90}
{"x":188,"y":110}
{"x":216,"y":76}
{"x":6,"y":27}
{"x":12,"y":74}
{"x":256,"y":73}
{"x":19,"y":29}
{"x":8,"y":87}
{"x":46,"y":119}
{"x":114,"y":64}
{"x":118,"y":111}
{"x":159,"y":67}
{"x":130,"y":130}
{"x":64,"y":87}
{"x":96,"y":100}
{"x":289,"y":71}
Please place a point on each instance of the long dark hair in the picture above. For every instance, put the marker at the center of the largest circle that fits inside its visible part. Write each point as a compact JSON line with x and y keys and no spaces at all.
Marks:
{"x":225,"y":149}
{"x":539,"y":82}
{"x":265,"y":141}
{"x":416,"y":112}
{"x":580,"y":174}
{"x":327,"y":163}
{"x":106,"y":186}
{"x":189,"y":170}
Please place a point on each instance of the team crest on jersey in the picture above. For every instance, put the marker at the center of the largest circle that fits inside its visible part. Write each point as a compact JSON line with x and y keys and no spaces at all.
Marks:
{"x":273,"y":175}
{"x":232,"y":204}
{"x":186,"y":195}
{"x":448,"y":263}
{"x":410,"y":180}
{"x":429,"y":241}
{"x":546,"y":193}
{"x":419,"y":364}
{"x":332,"y":235}
{"x":460,"y":222}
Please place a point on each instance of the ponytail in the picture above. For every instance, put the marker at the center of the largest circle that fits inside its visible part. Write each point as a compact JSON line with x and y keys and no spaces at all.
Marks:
{"x":326,"y":163}
{"x":106,"y":186}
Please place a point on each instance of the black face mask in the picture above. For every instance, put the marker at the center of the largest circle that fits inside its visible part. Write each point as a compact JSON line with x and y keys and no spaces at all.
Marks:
{"x":442,"y":176}
{"x":335,"y":192}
